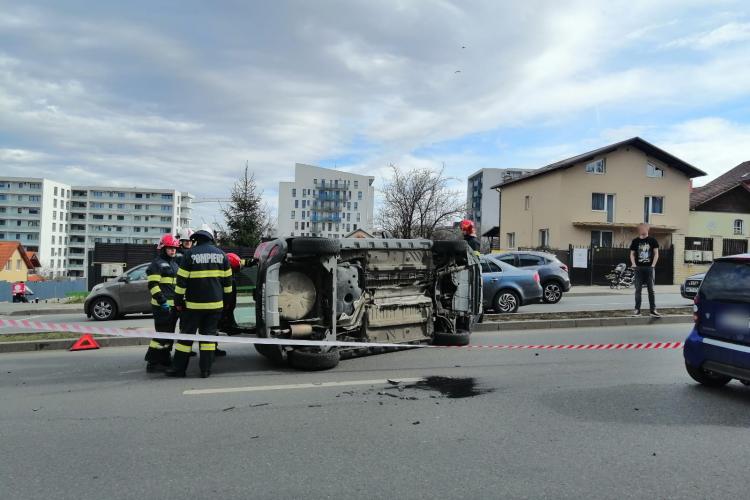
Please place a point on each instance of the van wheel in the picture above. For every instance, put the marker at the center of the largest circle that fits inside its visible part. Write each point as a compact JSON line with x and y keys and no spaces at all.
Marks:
{"x":103,"y":309}
{"x":271,"y":352}
{"x":456,"y":339}
{"x":552,"y":292}
{"x":506,"y":301}
{"x":309,"y":360}
{"x":449,"y":247}
{"x":706,"y":378}
{"x":314,"y":246}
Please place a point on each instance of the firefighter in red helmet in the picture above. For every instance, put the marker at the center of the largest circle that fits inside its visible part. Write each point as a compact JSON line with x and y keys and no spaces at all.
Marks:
{"x":162,"y":275}
{"x":227,"y":323}
{"x":470,"y":235}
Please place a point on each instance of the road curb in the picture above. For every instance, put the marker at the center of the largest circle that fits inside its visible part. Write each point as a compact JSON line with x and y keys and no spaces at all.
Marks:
{"x":495,"y":326}
{"x":63,"y":344}
{"x":37,"y":312}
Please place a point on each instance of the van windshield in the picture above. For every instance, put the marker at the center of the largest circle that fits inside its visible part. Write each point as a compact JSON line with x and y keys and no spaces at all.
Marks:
{"x":727,"y":281}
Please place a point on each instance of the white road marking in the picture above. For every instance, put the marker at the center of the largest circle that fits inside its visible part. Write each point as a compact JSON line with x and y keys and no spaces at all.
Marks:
{"x":131,"y":371}
{"x":260,"y":388}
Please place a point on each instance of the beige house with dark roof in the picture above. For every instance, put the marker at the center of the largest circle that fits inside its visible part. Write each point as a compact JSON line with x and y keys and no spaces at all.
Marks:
{"x":722,"y":207}
{"x":598,"y":198}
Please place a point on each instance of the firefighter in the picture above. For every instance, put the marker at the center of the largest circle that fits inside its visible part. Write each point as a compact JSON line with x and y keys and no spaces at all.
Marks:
{"x":185,"y":242}
{"x":161,"y":275}
{"x":204,"y":282}
{"x":470,"y":235}
{"x":228,"y":324}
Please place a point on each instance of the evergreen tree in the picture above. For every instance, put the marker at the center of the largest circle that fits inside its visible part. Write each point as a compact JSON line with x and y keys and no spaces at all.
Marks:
{"x":246,"y":215}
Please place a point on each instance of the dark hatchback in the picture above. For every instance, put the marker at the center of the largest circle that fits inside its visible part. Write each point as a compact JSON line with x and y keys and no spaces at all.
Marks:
{"x":718,"y":348}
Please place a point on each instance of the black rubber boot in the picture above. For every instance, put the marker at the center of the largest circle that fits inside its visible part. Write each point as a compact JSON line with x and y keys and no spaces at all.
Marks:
{"x":206,"y":360}
{"x":219,"y":353}
{"x":179,"y":366}
{"x":205,"y":373}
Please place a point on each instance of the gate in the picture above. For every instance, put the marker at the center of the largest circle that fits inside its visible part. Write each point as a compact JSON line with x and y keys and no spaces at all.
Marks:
{"x":734,"y":246}
{"x":602,"y":260}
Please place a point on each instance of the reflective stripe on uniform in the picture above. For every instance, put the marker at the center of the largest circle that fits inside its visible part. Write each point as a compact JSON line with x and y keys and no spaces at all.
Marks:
{"x":155,"y":289}
{"x":179,"y":290}
{"x":153,"y":277}
{"x":183,"y":348}
{"x":227,"y":289}
{"x":167,"y":280}
{"x":208,"y":346}
{"x":213,"y":273}
{"x":183,"y":273}
{"x":156,"y":345}
{"x":227,"y":273}
{"x":204,"y":305}
{"x":155,"y":303}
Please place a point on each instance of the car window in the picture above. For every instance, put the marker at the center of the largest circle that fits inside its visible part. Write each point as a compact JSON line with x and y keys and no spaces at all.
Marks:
{"x":729,"y":281}
{"x":137,"y":274}
{"x":530,"y":260}
{"x":494,"y":267}
{"x":508,"y":259}
{"x":485,"y":267}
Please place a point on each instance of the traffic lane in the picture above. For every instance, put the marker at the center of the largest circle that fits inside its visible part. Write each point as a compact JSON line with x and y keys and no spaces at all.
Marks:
{"x":130,"y":321}
{"x":604,"y":302}
{"x":561,"y":425}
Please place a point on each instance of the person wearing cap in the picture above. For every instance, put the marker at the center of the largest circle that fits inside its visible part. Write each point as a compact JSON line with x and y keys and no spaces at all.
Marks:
{"x":204,"y":283}
{"x":161,"y":275}
{"x":470,"y":235}
{"x":228,"y":324}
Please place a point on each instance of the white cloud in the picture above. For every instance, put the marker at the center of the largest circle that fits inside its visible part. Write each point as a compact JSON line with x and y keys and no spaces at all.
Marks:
{"x":726,"y":34}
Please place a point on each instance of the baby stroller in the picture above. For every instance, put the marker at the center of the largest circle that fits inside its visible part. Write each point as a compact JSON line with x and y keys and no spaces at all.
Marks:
{"x":621,"y":276}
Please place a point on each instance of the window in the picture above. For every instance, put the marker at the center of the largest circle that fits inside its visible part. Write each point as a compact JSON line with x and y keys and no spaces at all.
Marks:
{"x":596,"y":167}
{"x":527,"y":202}
{"x":525,"y":260}
{"x":97,"y":217}
{"x":652,"y":205}
{"x":738,"y":226}
{"x":97,"y":194}
{"x":55,"y":190}
{"x":315,"y":182}
{"x":356,"y":184}
{"x":294,"y":192}
{"x":296,"y":203}
{"x":296,"y":225}
{"x":137,"y":207}
{"x":597,"y":201}
{"x":653,"y":171}
{"x":356,"y":205}
{"x":166,"y":196}
{"x":54,"y":226}
{"x":359,"y":195}
{"x":358,"y":217}
{"x":601,"y":239}
{"x":54,"y":215}
{"x":293,"y":214}
{"x":544,"y":237}
{"x":120,"y":217}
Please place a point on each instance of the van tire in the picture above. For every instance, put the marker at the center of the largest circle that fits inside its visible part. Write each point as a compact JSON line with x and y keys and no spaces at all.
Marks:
{"x":309,"y":360}
{"x":708,"y":379}
{"x":271,"y":352}
{"x":314,"y":246}
{"x":459,"y":338}
{"x":449,"y":247}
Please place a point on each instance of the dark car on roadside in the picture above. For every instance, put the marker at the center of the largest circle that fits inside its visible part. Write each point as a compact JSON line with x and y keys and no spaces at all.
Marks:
{"x":506,"y":288}
{"x":127,"y":294}
{"x":552,"y":272}
{"x":718,"y":348}
{"x":689,"y":289}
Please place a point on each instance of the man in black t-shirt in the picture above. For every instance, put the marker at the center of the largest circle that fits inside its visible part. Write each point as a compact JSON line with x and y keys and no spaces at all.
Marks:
{"x":644,"y":254}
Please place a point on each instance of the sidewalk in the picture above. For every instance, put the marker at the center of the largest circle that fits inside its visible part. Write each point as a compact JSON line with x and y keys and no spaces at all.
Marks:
{"x":605,"y":290}
{"x":31,"y":309}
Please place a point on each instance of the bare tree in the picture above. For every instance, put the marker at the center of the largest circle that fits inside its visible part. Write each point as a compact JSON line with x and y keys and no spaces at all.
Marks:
{"x":417,"y":202}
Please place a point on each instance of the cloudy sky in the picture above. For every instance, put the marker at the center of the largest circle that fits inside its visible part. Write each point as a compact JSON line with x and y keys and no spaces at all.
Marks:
{"x":181,"y":94}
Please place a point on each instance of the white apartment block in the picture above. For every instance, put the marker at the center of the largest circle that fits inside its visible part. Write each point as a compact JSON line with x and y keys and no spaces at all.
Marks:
{"x":62,"y":222}
{"x":483,"y":202}
{"x":35,"y":212}
{"x":325,"y":202}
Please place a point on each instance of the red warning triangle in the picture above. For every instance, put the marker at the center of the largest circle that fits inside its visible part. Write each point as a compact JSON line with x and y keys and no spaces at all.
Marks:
{"x":84,"y":343}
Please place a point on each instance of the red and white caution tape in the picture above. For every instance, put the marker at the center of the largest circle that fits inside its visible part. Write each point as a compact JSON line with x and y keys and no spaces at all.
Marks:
{"x":119,"y":332}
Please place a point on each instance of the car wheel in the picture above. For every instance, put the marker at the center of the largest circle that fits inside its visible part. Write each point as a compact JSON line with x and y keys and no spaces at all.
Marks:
{"x":552,"y":292}
{"x":103,"y":309}
{"x":314,"y":246}
{"x":707,"y":378}
{"x":310,"y":360}
{"x":458,"y":338}
{"x":506,"y":301}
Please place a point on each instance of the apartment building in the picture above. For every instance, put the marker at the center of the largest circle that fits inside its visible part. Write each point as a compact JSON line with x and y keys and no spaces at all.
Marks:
{"x":35,"y":212}
{"x":122,"y":215}
{"x":482,"y":202}
{"x":325,"y":202}
{"x":62,"y":222}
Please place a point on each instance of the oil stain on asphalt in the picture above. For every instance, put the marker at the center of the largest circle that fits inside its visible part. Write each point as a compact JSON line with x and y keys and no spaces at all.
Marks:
{"x":451,"y":387}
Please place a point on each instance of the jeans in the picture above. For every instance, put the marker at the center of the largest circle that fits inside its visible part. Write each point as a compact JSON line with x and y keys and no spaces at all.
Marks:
{"x":644,"y":275}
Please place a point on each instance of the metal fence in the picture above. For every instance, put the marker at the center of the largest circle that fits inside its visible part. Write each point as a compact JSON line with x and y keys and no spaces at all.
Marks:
{"x":45,"y":290}
{"x":600,"y":261}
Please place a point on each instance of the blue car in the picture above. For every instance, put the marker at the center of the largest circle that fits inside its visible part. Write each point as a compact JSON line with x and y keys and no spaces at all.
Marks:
{"x":718,"y":348}
{"x":506,"y":288}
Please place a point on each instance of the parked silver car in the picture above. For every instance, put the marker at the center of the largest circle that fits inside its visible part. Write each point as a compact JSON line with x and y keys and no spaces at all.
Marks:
{"x":506,"y":287}
{"x":128,"y":294}
{"x":689,"y":289}
{"x":552,"y":272}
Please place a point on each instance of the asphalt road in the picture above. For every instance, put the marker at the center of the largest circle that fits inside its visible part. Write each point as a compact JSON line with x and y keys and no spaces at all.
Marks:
{"x":563,"y":424}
